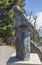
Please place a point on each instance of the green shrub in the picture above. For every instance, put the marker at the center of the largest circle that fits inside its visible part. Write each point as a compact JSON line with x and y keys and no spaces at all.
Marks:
{"x":40,"y":43}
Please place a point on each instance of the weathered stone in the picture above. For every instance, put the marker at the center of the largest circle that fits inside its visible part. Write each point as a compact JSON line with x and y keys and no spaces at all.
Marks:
{"x":22,"y":44}
{"x":19,"y":18}
{"x":22,"y":34}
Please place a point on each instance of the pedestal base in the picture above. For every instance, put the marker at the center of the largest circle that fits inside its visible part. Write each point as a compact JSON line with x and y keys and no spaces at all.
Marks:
{"x":34,"y":60}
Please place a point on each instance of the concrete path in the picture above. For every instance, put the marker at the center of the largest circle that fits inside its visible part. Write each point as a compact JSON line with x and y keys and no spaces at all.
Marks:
{"x":5,"y":53}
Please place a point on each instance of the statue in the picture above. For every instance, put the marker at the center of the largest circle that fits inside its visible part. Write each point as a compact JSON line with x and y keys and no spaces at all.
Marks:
{"x":21,"y":26}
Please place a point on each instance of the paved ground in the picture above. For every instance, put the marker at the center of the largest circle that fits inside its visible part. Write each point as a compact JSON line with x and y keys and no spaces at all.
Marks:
{"x":5,"y":53}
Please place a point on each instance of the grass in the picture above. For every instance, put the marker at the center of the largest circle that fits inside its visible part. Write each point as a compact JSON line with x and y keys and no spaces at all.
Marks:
{"x":40,"y":43}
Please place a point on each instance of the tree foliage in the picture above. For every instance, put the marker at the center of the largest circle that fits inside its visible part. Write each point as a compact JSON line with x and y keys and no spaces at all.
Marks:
{"x":6,"y":14}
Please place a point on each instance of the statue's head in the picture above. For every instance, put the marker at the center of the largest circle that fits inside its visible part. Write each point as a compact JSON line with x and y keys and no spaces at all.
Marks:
{"x":19,"y":17}
{"x":17,"y":10}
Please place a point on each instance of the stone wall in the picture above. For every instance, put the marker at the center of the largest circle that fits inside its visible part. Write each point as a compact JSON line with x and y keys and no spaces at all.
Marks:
{"x":36,"y":49}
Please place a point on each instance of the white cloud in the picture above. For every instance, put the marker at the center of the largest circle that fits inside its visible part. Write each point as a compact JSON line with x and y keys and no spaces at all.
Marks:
{"x":39,"y":20}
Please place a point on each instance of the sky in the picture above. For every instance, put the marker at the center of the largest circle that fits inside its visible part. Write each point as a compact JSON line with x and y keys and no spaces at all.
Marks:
{"x":34,"y":6}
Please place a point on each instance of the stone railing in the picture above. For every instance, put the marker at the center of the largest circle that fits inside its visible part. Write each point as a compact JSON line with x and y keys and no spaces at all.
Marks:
{"x":35,"y":49}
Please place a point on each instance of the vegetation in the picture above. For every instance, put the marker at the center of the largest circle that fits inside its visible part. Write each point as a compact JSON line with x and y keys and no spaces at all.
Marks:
{"x":40,"y":43}
{"x":6,"y":21}
{"x":32,"y":18}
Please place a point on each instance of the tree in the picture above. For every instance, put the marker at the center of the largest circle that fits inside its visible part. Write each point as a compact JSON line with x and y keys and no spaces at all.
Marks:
{"x":34,"y":33}
{"x":6,"y":14}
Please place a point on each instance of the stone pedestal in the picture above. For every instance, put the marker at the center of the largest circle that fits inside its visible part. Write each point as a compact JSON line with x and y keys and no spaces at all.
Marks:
{"x":34,"y":60}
